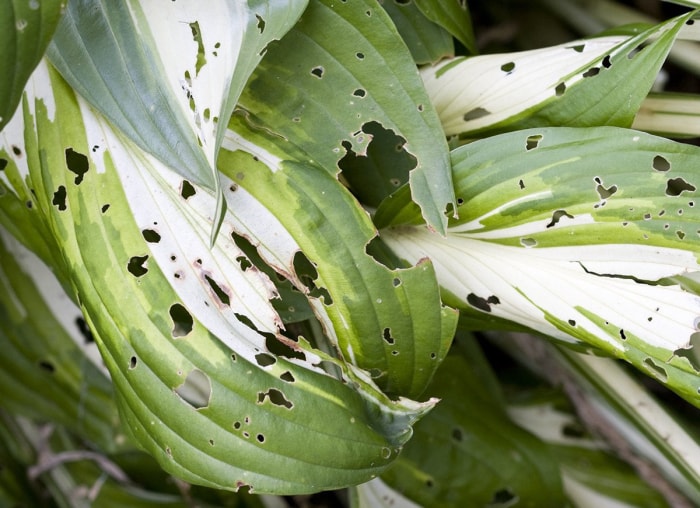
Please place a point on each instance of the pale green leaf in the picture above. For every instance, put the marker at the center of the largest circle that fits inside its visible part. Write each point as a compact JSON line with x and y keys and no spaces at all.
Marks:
{"x":575,"y":233}
{"x":320,"y":90}
{"x":454,"y":16}
{"x":427,"y":41}
{"x":26,"y":28}
{"x":206,"y":379}
{"x":598,"y":81}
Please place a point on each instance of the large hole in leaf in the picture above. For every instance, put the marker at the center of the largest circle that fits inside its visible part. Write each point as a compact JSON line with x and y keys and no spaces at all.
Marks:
{"x":276,"y":397}
{"x":602,"y":191}
{"x":137,"y":266}
{"x":77,"y":163}
{"x":383,"y":167}
{"x":557,"y":216}
{"x":150,"y":235}
{"x":196,"y":389}
{"x":307,"y":273}
{"x":220,"y":292}
{"x":59,"y":198}
{"x":182,"y":320}
{"x":676,"y":186}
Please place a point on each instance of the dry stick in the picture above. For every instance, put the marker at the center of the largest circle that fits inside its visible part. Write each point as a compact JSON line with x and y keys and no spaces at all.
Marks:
{"x":537,"y":352}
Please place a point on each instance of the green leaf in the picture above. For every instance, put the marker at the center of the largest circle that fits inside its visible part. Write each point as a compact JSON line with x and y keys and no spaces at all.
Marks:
{"x":206,"y":379}
{"x":452,"y":15}
{"x":389,"y":322}
{"x":44,"y":372}
{"x":320,"y":90}
{"x":428,"y":41}
{"x":591,"y":472}
{"x":165,"y":74}
{"x":26,"y":28}
{"x":575,"y":233}
{"x":467,"y":452}
{"x":599,"y":81}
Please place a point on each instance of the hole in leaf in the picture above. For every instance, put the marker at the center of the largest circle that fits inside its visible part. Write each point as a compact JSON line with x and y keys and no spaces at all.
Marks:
{"x":607,"y":62}
{"x":16,"y":150}
{"x":359,"y":92}
{"x":622,"y":334}
{"x":265,"y":360}
{"x":261,"y":23}
{"x":655,"y":369}
{"x":187,"y":190}
{"x":578,"y":48}
{"x":105,"y":208}
{"x":77,"y":163}
{"x":137,"y":266}
{"x":675,"y":186}
{"x":260,"y":438}
{"x":276,"y":397}
{"x":287,"y":377}
{"x":376,"y":173}
{"x":661,"y":163}
{"x":482,"y":303}
{"x":560,"y":89}
{"x":220,"y":293}
{"x":182,"y":320}
{"x":47,"y":366}
{"x":572,"y":322}
{"x":593,"y":71}
{"x":602,"y":191}
{"x":197,"y":37}
{"x":533,"y":142}
{"x":150,"y":236}
{"x":195,"y":389}
{"x":318,"y":72}
{"x":475,"y":114}
{"x":360,"y":56}
{"x":387,"y":336}
{"x":84,"y":330}
{"x":502,"y":497}
{"x":59,"y":198}
{"x":132,"y":362}
{"x":557,"y":216}
{"x":573,"y":429}
{"x":3,"y":164}
{"x":307,"y":274}
{"x":508,"y":67}
{"x":528,"y":242}
{"x":457,"y":434}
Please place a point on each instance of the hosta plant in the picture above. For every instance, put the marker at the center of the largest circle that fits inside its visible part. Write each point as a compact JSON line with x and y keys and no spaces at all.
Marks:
{"x":257,"y":247}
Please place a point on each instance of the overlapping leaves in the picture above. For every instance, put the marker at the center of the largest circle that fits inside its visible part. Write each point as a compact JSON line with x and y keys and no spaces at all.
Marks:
{"x":577,"y":234}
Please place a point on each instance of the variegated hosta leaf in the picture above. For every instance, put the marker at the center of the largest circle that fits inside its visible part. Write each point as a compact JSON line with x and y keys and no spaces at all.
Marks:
{"x":591,"y":472}
{"x":165,"y":72}
{"x":26,"y":27}
{"x":575,"y":233}
{"x":389,"y":322}
{"x":467,"y":451}
{"x":49,"y":369}
{"x":342,"y":77}
{"x":599,"y":81}
{"x":206,"y":382}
